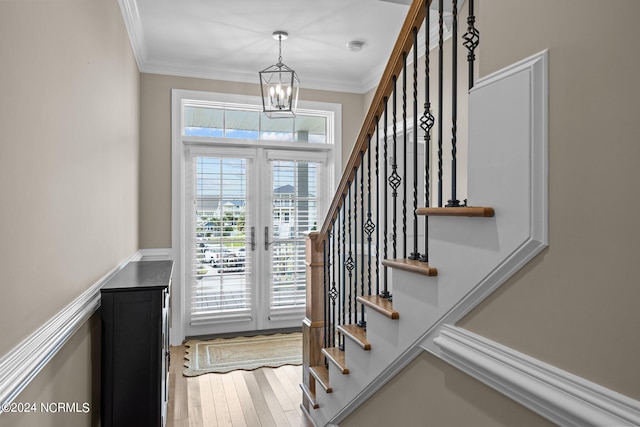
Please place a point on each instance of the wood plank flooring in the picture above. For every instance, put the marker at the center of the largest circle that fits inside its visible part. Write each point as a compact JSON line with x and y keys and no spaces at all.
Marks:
{"x":265,"y":397}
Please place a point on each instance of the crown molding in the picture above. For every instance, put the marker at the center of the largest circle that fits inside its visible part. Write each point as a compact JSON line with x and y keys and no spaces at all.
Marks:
{"x":133,"y":24}
{"x":246,"y":77}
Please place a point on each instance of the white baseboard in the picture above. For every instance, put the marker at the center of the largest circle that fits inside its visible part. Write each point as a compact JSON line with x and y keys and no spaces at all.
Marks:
{"x":21,"y":364}
{"x":559,"y":396}
{"x":159,"y":254}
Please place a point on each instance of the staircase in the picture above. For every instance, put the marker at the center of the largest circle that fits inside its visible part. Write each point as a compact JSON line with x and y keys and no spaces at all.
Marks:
{"x":378,"y":292}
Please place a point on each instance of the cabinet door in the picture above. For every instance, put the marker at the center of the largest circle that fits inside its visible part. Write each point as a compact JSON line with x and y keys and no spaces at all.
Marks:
{"x":166,"y":357}
{"x":132,"y":358}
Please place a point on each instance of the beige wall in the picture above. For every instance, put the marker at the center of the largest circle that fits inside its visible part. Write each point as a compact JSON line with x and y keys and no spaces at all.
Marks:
{"x":72,"y":376}
{"x":155,"y":148}
{"x":68,"y":167}
{"x":575,"y":305}
{"x":429,"y":392}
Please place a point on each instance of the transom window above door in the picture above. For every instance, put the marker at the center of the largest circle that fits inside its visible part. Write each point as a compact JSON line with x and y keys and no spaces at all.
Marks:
{"x":222,"y":121}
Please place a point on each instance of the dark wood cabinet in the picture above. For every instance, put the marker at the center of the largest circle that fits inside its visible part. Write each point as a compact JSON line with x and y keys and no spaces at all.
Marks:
{"x":135,"y":345}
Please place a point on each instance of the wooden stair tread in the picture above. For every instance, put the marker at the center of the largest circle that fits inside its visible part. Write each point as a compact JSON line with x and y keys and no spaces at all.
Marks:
{"x":321,"y":374}
{"x":310,"y":396}
{"x":470,"y":211}
{"x":379,"y":304}
{"x":336,"y":356}
{"x":356,"y":333}
{"x":411,"y":265}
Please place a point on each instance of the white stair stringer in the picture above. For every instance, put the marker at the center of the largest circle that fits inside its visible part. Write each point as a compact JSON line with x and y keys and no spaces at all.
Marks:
{"x":507,"y":171}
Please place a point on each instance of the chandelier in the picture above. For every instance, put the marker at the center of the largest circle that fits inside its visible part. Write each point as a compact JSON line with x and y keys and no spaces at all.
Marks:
{"x":279,"y":85}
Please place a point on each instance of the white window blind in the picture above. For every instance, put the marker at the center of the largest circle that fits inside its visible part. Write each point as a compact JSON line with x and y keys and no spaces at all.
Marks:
{"x":295,"y":210}
{"x":220,"y":283}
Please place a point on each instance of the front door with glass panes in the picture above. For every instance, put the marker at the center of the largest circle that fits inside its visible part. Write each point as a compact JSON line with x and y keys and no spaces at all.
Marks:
{"x":250,"y":211}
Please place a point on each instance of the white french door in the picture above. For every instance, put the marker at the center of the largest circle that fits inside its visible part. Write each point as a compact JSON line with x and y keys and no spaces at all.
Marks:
{"x":249,"y":211}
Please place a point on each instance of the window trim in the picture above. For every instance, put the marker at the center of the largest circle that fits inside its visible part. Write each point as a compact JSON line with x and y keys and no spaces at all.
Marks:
{"x":181,"y":144}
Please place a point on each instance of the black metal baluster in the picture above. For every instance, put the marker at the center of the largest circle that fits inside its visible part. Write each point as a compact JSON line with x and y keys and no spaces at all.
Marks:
{"x":394,"y":179}
{"x":349,"y":260}
{"x":426,"y":123}
{"x":377,"y":206}
{"x":471,"y":41}
{"x":327,"y":306}
{"x":385,"y":292}
{"x":369,"y":227}
{"x":341,"y":276}
{"x":355,"y":243}
{"x":404,"y":152}
{"x":334,"y":290}
{"x":454,"y":202}
{"x":363,"y":322}
{"x":440,"y":95}
{"x":326,"y":293}
{"x":344,"y":263}
{"x":415,"y":254}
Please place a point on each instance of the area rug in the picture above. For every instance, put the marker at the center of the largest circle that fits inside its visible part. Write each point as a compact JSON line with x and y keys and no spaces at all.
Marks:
{"x":229,"y":354}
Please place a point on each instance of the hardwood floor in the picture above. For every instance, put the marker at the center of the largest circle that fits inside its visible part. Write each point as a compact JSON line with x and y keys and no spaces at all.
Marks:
{"x":260,"y":398}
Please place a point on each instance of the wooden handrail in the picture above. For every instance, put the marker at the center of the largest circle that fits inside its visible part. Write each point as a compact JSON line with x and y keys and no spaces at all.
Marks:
{"x":403,"y":44}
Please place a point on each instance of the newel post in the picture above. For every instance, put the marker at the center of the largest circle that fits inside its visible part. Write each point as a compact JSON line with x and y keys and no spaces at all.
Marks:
{"x":313,"y":323}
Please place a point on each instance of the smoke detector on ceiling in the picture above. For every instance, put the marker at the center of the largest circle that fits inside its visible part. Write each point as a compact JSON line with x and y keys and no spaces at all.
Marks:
{"x":355,"y":45}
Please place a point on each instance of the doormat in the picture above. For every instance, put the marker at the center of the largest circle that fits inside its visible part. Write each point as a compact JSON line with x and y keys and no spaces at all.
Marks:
{"x":247,"y":353}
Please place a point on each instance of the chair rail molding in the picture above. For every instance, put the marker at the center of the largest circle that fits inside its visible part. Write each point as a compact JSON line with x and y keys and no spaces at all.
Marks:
{"x":21,"y":364}
{"x":559,"y":396}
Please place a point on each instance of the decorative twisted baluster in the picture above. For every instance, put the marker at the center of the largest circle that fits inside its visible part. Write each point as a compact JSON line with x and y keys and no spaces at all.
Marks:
{"x":404,"y":153}
{"x":471,"y":41}
{"x":440,"y":94}
{"x":385,"y":292}
{"x":377,"y":205}
{"x":394,"y":180}
{"x":426,"y":123}
{"x":454,"y":202}
{"x":344,"y":263}
{"x":369,"y":226}
{"x":333,"y":292}
{"x":349,"y":264}
{"x":355,"y":244}
{"x":325,"y":290}
{"x":415,"y":254}
{"x":363,"y":322}
{"x":341,"y":255}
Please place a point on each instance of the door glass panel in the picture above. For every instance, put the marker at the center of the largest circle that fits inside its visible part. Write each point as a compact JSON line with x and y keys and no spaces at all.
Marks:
{"x":220,"y":281}
{"x":294,"y":210}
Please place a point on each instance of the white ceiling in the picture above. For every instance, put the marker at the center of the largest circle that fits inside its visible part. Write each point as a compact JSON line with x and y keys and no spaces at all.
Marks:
{"x":231,"y":40}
